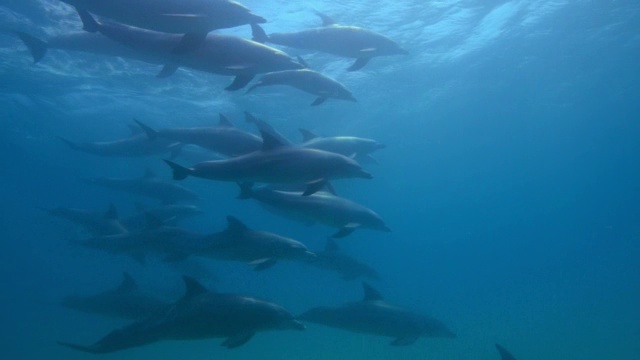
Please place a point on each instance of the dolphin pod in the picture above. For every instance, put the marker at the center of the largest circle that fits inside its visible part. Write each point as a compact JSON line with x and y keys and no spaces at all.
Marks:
{"x":199,"y":314}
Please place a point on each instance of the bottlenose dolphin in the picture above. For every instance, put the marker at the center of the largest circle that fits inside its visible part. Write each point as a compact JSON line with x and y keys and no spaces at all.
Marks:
{"x":194,"y":17}
{"x":334,"y":259}
{"x":504,"y":354}
{"x":137,"y":144}
{"x":359,"y":148}
{"x":277,"y":163}
{"x":346,"y":41}
{"x":149,"y":185}
{"x":224,"y":138}
{"x":199,"y":314}
{"x":94,"y":223}
{"x":322,"y":207}
{"x":374,"y":316}
{"x":260,"y":248}
{"x":218,"y":54}
{"x":309,"y":81}
{"x":125,"y":301}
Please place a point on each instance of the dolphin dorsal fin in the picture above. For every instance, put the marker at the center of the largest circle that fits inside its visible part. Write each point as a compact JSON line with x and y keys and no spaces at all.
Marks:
{"x":235,"y":226}
{"x":307,"y":135}
{"x":127,"y":284}
{"x":270,"y":142}
{"x":112,"y":213}
{"x":326,"y":20}
{"x":331,"y":246}
{"x":224,"y":121}
{"x":370,"y":294}
{"x":193,"y":287}
{"x":149,"y":174}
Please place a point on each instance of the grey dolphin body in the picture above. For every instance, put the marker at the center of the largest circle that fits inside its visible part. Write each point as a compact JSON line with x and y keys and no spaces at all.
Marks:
{"x":277,"y":163}
{"x":334,"y":259}
{"x":309,"y":81}
{"x":260,"y":248}
{"x":149,"y":185}
{"x":199,"y":314}
{"x":218,"y":54}
{"x":504,"y":354}
{"x":345,"y":41}
{"x":224,"y":139}
{"x":125,"y":301}
{"x":94,"y":223}
{"x":172,"y":16}
{"x":322,"y":207}
{"x":136,"y":145}
{"x":361,"y":148}
{"x":374,"y":316}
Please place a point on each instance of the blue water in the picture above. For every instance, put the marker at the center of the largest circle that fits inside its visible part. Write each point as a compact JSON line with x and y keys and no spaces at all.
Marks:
{"x":510,"y":179}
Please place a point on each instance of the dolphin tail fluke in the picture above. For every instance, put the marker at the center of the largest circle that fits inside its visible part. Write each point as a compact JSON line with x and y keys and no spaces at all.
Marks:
{"x":179,"y":172}
{"x":358,"y":64}
{"x":258,"y":34}
{"x":245,"y":190}
{"x":151,"y":133}
{"x":189,"y":43}
{"x":87,"y":349}
{"x":37,"y":47}
{"x":89,"y":24}
{"x":239,"y":82}
{"x":319,"y":101}
{"x":504,"y":354}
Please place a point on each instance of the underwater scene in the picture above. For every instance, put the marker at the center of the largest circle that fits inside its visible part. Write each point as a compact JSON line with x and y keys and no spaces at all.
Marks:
{"x":211,"y":179}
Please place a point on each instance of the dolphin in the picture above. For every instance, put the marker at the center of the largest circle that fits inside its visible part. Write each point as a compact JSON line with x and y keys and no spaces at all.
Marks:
{"x":125,"y":301}
{"x":224,"y":138}
{"x":173,"y":16}
{"x":260,"y":248}
{"x":276,"y":162}
{"x":218,"y":54}
{"x":333,"y":259}
{"x":504,"y":354}
{"x":359,"y":148}
{"x":136,"y":145}
{"x":97,"y":224}
{"x":167,"y":214}
{"x":340,"y":40}
{"x":309,"y":81}
{"x":199,"y":314}
{"x":372,"y":315}
{"x":148,"y":185}
{"x":322,"y":207}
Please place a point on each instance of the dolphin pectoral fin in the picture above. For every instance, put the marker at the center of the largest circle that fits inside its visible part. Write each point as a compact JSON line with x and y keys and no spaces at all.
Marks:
{"x":86,"y":349}
{"x":346,"y":230}
{"x":239,"y":82}
{"x":263,"y":264}
{"x":314,"y":186}
{"x":504,"y":354}
{"x":89,"y":24}
{"x":189,"y":43}
{"x":37,"y":47}
{"x":403,"y":341}
{"x":237,"y":340}
{"x":359,"y":64}
{"x":319,"y":101}
{"x":167,"y":70}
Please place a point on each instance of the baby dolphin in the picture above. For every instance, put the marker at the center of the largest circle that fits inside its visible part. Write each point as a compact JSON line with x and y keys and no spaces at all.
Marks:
{"x":322,"y":207}
{"x":259,"y":248}
{"x":346,"y":41}
{"x":199,"y":314}
{"x":125,"y":301}
{"x":504,"y":354}
{"x":194,"y":18}
{"x":148,"y":185}
{"x":334,"y":259}
{"x":224,"y":138}
{"x":374,"y":316}
{"x":277,"y":163}
{"x":309,"y":81}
